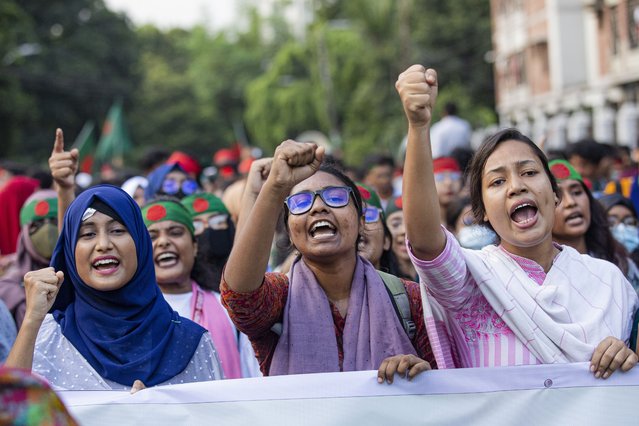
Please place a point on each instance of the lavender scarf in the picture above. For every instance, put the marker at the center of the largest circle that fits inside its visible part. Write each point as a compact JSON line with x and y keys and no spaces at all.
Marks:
{"x":308,"y":344}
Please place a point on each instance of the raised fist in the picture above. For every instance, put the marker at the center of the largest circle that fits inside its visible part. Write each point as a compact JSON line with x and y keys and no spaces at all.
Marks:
{"x":417,"y":88}
{"x":295,"y":161}
{"x":41,"y":288}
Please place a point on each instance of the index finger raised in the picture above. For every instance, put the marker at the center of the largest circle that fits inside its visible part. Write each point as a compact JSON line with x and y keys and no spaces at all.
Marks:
{"x":58,"y":144}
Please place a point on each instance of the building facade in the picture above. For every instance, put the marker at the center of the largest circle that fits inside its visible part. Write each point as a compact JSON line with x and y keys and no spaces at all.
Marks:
{"x":568,"y":69}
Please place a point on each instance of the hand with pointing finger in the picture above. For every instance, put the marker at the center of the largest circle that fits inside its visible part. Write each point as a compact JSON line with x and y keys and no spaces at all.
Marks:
{"x":63,"y":164}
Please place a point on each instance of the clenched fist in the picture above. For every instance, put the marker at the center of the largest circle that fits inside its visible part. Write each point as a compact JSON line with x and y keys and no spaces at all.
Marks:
{"x":293,"y":162}
{"x":417,"y":88}
{"x":41,"y":289}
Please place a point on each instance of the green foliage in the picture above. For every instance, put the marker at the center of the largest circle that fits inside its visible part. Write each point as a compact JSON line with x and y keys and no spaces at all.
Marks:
{"x":199,"y":91}
{"x":365,"y":45}
{"x":283,"y":101}
{"x":83,"y":62}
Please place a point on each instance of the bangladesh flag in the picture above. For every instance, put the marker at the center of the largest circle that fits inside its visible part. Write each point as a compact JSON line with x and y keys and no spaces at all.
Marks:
{"x":114,"y":142}
{"x":85,"y":143}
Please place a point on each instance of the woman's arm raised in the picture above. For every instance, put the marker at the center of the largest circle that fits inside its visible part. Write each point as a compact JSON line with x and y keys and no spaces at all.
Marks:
{"x":41,"y":289}
{"x":258,"y":174}
{"x":292,"y":163}
{"x":417,"y":88}
{"x":63,"y":165}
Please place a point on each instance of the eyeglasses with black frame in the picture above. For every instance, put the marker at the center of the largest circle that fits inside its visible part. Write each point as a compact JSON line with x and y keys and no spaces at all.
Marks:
{"x":332,"y":196}
{"x":371,"y":214}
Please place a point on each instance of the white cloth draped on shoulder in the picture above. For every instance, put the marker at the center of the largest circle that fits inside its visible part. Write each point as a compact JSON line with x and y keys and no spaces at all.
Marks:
{"x":582,"y":301}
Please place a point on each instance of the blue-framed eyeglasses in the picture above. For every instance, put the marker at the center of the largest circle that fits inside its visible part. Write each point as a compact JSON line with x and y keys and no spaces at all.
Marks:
{"x":171,"y":186}
{"x":333,"y":196}
{"x":440,"y":177}
{"x":371,"y":214}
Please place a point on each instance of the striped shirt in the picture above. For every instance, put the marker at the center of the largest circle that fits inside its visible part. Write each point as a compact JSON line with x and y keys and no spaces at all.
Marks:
{"x":490,"y":341}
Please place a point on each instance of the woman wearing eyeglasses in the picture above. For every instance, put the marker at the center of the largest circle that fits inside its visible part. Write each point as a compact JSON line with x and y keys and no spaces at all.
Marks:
{"x":448,"y":182}
{"x":332,"y":311}
{"x":581,"y":222}
{"x":376,"y":240}
{"x":395,"y":221}
{"x":214,"y":233}
{"x":169,"y":179}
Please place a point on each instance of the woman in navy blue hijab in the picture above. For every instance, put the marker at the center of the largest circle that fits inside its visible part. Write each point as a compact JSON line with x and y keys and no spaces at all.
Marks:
{"x":108,"y":324}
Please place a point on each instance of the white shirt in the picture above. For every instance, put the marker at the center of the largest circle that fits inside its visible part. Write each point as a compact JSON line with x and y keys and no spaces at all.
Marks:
{"x":449,"y":133}
{"x":181,"y":303}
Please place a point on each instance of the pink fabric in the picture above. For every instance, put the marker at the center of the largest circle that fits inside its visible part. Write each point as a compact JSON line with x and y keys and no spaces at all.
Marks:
{"x":211,"y":315}
{"x":511,"y":313}
{"x":308,"y":344}
{"x":473,"y":327}
{"x":12,"y":198}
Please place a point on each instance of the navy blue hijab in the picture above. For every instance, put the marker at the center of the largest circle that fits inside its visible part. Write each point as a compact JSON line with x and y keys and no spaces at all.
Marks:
{"x":156,"y":178}
{"x":125,"y":334}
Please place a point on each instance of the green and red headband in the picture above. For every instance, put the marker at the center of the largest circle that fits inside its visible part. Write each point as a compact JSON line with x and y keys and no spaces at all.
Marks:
{"x":161,"y":210}
{"x":394,"y":205}
{"x":39,"y":209}
{"x":203,"y":202}
{"x":562,"y":170}
{"x":369,"y":195}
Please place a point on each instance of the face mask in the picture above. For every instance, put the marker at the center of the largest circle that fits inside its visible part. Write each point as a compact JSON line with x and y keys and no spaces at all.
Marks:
{"x":44,"y":239}
{"x":215,"y":243}
{"x":476,"y":237}
{"x":626,"y":235}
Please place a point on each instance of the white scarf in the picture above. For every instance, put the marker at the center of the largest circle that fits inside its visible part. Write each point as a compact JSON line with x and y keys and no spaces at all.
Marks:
{"x":582,"y":301}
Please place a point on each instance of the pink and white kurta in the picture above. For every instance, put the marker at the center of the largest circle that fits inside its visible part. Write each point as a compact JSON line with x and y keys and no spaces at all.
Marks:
{"x":498,"y":309}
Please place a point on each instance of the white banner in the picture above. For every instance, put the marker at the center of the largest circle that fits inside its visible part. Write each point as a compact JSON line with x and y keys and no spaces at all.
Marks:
{"x":566,"y":394}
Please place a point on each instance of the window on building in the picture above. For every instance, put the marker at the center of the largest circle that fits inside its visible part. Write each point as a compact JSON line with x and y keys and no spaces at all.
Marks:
{"x":614,"y":29}
{"x":633,"y":23}
{"x":516,"y":70}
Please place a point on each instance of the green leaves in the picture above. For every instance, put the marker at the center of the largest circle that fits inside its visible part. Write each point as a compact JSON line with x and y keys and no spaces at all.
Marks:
{"x":199,"y":91}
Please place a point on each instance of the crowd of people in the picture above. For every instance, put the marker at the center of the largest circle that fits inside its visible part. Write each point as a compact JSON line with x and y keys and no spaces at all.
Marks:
{"x":296,"y":264}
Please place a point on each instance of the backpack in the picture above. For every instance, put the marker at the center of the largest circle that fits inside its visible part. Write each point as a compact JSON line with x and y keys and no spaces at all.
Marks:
{"x":399,"y":299}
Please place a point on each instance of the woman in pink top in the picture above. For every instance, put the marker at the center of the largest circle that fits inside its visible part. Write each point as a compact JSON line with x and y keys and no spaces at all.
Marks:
{"x":527,"y":300}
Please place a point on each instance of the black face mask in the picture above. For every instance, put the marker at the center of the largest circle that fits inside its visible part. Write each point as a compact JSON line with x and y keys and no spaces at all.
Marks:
{"x":216,"y":243}
{"x":178,"y":194}
{"x":213,"y":250}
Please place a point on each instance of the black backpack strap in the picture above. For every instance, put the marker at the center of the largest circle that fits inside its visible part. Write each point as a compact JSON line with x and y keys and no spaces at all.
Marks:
{"x":399,"y":298}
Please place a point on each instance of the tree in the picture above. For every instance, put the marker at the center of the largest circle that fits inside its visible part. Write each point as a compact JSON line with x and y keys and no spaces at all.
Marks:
{"x":364,"y":46}
{"x":15,"y":26}
{"x":85,"y":56}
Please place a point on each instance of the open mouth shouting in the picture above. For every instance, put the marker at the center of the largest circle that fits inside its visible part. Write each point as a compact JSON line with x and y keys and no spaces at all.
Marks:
{"x":105,"y":265}
{"x":524,"y":213}
{"x":322,"y":229}
{"x":166,"y":259}
{"x":574,"y":219}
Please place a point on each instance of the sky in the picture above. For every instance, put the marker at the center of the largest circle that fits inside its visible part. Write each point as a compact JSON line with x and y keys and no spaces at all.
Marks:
{"x":215,"y":14}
